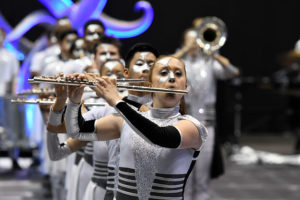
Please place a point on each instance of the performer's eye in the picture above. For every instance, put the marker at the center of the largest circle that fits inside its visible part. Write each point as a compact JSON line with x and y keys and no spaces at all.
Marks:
{"x":178,"y":73}
{"x":140,"y":63}
{"x":164,"y":72}
{"x":151,"y":63}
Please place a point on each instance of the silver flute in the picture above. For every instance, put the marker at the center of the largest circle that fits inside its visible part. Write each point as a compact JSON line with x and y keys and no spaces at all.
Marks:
{"x":37,"y":92}
{"x":50,"y":102}
{"x":50,"y":91}
{"x":64,"y":81}
{"x":92,"y":83}
{"x":151,"y":89}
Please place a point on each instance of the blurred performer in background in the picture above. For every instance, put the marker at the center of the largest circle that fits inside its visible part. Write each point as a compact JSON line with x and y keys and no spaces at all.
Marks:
{"x":204,"y":68}
{"x":289,"y":83}
{"x":93,"y":31}
{"x":44,"y":57}
{"x":9,"y":67}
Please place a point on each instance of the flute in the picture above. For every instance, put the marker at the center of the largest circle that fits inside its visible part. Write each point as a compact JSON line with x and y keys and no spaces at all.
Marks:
{"x":50,"y":102}
{"x":37,"y":92}
{"x":92,"y":83}
{"x":49,"y":91}
{"x":64,"y":81}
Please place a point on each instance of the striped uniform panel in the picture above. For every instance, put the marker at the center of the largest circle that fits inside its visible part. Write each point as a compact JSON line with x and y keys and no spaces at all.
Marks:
{"x":79,"y":154}
{"x":127,"y":184}
{"x":167,"y":186}
{"x":100,"y":173}
{"x":100,"y":170}
{"x":111,"y":179}
{"x":88,"y":153}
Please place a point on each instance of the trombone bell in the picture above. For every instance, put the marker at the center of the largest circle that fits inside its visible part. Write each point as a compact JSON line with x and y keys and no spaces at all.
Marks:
{"x":211,"y":34}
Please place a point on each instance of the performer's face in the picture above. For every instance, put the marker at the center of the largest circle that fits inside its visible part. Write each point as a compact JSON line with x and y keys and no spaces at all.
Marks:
{"x":105,"y":52}
{"x":67,"y":42}
{"x":92,"y":34}
{"x":112,"y":69}
{"x":140,"y":65}
{"x":169,"y":73}
{"x":78,"y":51}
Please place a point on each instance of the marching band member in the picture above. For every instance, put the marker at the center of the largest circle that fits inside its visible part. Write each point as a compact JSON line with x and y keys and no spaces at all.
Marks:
{"x":157,"y":148}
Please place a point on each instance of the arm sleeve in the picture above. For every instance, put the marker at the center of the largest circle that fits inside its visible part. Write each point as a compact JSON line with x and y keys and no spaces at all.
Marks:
{"x":168,"y":136}
{"x":76,"y":126}
{"x":56,"y":150}
{"x":224,"y":73}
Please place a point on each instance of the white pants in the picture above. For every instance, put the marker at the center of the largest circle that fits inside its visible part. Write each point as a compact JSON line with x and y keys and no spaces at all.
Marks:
{"x":197,"y":186}
{"x":94,"y":192}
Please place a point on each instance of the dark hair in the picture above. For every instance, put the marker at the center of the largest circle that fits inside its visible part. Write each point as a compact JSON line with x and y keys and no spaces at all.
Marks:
{"x":107,"y":40}
{"x":109,"y":60}
{"x":94,"y":21}
{"x":59,"y":28}
{"x":65,"y":33}
{"x":139,"y":47}
{"x":182,"y":105}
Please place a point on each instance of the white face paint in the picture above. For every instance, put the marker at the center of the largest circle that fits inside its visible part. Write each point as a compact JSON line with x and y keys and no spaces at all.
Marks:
{"x":70,"y":38}
{"x":63,"y":22}
{"x":165,"y":62}
{"x":167,"y":78}
{"x":110,"y":66}
{"x":141,"y":64}
{"x":79,"y":43}
{"x":92,"y":37}
{"x":93,"y":27}
{"x":105,"y":55}
{"x":78,"y":53}
{"x":144,"y":55}
{"x":105,"y":47}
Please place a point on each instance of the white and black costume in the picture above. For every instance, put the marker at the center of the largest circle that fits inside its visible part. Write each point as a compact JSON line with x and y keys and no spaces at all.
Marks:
{"x":201,"y":104}
{"x":150,"y":167}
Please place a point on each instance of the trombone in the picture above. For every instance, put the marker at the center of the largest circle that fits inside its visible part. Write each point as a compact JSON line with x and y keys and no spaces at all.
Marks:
{"x":211,"y":34}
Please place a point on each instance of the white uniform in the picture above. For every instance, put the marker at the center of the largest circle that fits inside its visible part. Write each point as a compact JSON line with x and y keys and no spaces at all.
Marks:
{"x":148,"y":171}
{"x":77,"y":65}
{"x":202,"y":78}
{"x":9,"y":67}
{"x":9,"y":113}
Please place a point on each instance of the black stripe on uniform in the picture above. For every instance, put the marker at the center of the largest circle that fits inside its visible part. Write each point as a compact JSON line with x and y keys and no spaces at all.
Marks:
{"x":178,"y":194}
{"x":171,"y":175}
{"x":168,"y":182}
{"x":125,"y":169}
{"x":121,"y":196}
{"x":127,"y":183}
{"x":134,"y":191}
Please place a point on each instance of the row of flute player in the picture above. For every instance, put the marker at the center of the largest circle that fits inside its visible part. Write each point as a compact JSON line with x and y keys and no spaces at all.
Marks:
{"x":153,"y":143}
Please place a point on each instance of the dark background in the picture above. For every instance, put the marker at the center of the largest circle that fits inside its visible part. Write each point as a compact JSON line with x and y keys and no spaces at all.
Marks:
{"x":258,"y":32}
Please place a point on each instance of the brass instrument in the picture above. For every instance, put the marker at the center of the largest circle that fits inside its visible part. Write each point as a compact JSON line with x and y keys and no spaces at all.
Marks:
{"x":211,"y":34}
{"x":49,"y":102}
{"x":92,"y":83}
